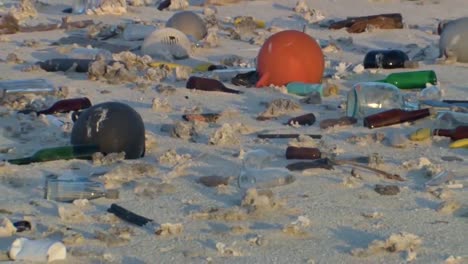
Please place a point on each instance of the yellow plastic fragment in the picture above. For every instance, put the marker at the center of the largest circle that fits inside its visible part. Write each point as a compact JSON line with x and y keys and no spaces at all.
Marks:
{"x":157,"y":64}
{"x":203,"y":67}
{"x":258,"y":23}
{"x":462,"y":143}
{"x":420,"y":134}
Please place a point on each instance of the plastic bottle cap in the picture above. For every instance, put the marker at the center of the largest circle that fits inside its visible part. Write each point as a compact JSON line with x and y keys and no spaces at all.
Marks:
{"x":112,"y":194}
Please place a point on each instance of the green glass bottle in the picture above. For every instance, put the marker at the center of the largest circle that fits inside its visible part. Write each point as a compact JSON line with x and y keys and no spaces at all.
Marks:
{"x":58,"y":153}
{"x":411,"y":80}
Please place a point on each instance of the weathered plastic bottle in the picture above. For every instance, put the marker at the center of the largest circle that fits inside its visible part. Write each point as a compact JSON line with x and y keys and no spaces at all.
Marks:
{"x":386,"y":59}
{"x":68,"y":190}
{"x":411,"y":80}
{"x":255,"y":174}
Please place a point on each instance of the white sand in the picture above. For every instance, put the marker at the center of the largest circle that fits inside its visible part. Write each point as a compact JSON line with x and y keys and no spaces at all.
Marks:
{"x":337,"y":225}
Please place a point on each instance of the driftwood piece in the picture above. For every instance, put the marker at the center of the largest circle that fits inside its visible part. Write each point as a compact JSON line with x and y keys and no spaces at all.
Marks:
{"x":360,"y":24}
{"x":10,"y":25}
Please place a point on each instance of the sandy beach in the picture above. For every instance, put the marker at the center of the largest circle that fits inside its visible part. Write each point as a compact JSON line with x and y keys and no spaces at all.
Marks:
{"x":324,"y":216}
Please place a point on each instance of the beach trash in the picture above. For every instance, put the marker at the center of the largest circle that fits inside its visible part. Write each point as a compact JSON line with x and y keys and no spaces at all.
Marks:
{"x":114,"y":127}
{"x":394,"y":116}
{"x":366,"y":98}
{"x":303,"y":153}
{"x":207,"y":84}
{"x":27,"y":86}
{"x":68,"y":190}
{"x":411,"y":80}
{"x":453,"y":40}
{"x":23,"y":249}
{"x":167,"y":43}
{"x":58,"y":153}
{"x":62,"y":106}
{"x":290,"y":56}
{"x":255,"y":172}
{"x":189,"y":23}
{"x":386,"y":59}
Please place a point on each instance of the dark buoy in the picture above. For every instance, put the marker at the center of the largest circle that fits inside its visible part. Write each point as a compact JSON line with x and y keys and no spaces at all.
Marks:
{"x":114,"y":127}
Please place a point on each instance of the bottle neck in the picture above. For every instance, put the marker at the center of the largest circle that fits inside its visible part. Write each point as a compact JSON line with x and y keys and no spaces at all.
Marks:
{"x":442,"y":132}
{"x":21,"y":161}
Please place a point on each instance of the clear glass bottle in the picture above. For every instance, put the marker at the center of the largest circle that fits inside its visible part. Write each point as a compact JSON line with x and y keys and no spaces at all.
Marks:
{"x":367,"y":98}
{"x":80,"y":6}
{"x":255,"y":173}
{"x":68,"y":190}
{"x":26,"y":86}
{"x":450,"y":120}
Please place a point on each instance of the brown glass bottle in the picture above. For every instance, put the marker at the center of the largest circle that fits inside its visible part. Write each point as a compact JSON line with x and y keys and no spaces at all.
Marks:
{"x":460,"y":132}
{"x":63,"y":106}
{"x":303,"y":153}
{"x":394,"y":116}
{"x":308,"y":119}
{"x":207,"y":84}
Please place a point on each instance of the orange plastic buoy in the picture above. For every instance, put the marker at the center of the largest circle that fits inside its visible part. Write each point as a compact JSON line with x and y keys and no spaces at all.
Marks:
{"x":290,"y":56}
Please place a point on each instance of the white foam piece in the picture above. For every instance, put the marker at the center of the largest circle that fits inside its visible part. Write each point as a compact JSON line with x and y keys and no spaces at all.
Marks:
{"x":37,"y":250}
